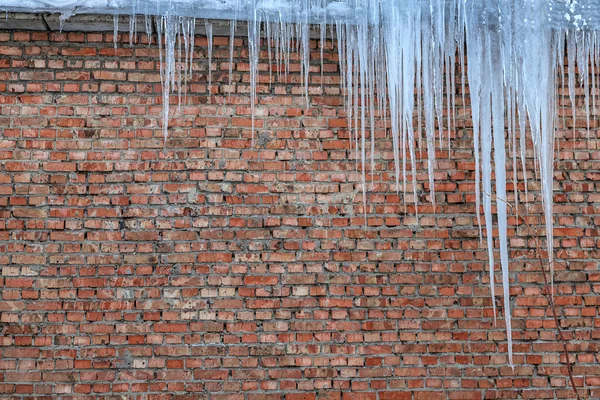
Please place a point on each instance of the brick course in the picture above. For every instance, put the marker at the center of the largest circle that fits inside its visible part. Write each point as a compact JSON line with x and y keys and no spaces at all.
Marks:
{"x":215,"y":267}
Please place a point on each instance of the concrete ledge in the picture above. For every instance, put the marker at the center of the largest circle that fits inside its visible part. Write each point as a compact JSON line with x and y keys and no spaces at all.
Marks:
{"x":105,"y":23}
{"x":96,"y":23}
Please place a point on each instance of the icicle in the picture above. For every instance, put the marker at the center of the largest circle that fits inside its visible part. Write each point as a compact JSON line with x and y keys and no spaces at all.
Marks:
{"x":523,"y":146}
{"x":486,"y":169}
{"x":592,"y":63}
{"x":429,"y":100}
{"x":304,"y":31}
{"x":480,"y":89}
{"x":356,"y":90}
{"x":513,"y":123}
{"x":115,"y":30}
{"x":500,"y":170}
{"x":61,"y":22}
{"x":165,"y":69}
{"x":132,"y":18}
{"x":231,"y":43}
{"x":178,"y":70}
{"x":192,"y":40}
{"x":475,"y":88}
{"x":253,"y":44}
{"x":341,"y":46}
{"x":583,"y":54}
{"x":547,"y":161}
{"x":133,"y":23}
{"x":392,"y":62}
{"x":209,"y":37}
{"x":322,"y":31}
{"x":362,"y":74}
{"x":186,"y":55}
{"x":148,"y":23}
{"x":349,"y":57}
{"x":268,"y":34}
{"x":372,"y":81}
{"x":571,"y":48}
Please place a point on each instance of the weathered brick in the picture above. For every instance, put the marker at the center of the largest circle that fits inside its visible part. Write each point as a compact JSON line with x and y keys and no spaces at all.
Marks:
{"x":216,"y":267}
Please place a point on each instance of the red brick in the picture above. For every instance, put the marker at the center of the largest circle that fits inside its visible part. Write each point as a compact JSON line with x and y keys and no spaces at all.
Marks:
{"x":216,"y":267}
{"x":300,"y":396}
{"x":260,"y":280}
{"x":395,"y":395}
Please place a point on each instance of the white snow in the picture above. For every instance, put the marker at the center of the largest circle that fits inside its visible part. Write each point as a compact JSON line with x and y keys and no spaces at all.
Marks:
{"x":393,"y":52}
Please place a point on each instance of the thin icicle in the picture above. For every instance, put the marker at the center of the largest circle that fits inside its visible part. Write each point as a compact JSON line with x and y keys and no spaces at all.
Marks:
{"x":179,"y":76}
{"x":132,"y":19}
{"x":192,"y":33}
{"x":486,"y":169}
{"x":254,"y":45}
{"x":523,"y":147}
{"x":571,"y":51}
{"x":268,"y":38}
{"x":115,"y":30}
{"x":209,"y":37}
{"x":322,"y":32}
{"x":148,"y":25}
{"x":186,"y":55}
{"x":231,"y":44}
{"x":429,"y":96}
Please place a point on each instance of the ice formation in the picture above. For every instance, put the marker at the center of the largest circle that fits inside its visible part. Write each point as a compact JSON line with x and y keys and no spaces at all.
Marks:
{"x":398,"y":58}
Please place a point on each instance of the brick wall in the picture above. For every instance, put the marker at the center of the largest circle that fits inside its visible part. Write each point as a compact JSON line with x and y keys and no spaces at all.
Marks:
{"x":223,"y":270}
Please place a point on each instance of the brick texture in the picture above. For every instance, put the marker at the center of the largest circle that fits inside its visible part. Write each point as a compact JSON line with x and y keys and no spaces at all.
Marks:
{"x":220,"y":268}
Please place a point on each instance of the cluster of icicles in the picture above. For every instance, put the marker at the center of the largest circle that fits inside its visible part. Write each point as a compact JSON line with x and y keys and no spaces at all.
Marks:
{"x":399,"y":58}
